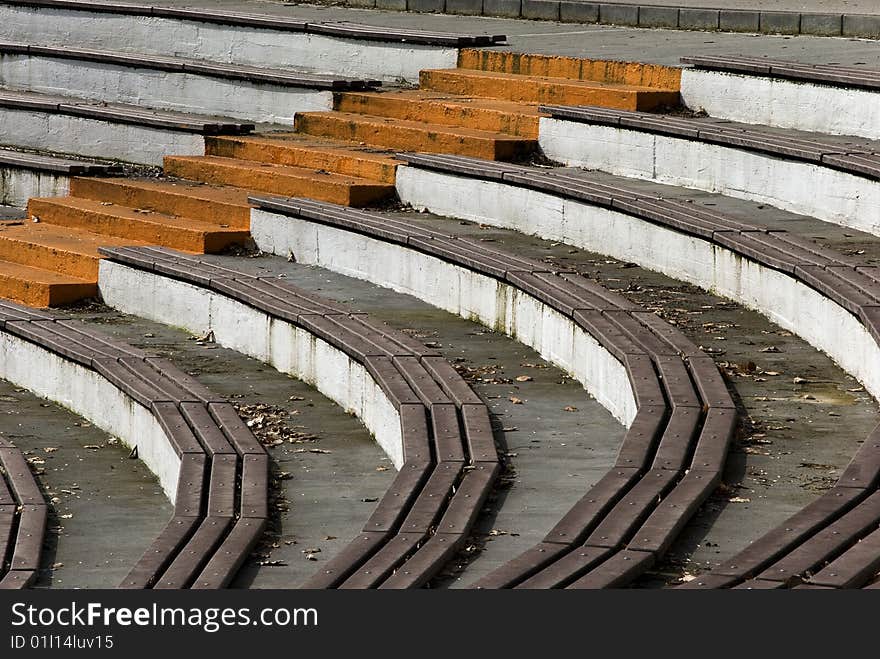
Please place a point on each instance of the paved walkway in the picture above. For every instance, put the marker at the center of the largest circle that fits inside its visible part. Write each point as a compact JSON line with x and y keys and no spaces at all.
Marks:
{"x":817,"y":6}
{"x":595,"y":41}
{"x":104,"y":509}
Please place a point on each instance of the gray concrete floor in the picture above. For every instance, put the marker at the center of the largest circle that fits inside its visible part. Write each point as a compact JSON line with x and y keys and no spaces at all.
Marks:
{"x":327,"y":471}
{"x":594,"y":41}
{"x":842,"y":239}
{"x":104,"y":508}
{"x":794,"y":439}
{"x":553,"y":454}
{"x":11,"y":213}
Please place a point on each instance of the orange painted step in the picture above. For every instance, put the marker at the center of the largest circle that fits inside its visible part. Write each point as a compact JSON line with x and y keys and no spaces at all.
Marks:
{"x":572,"y":68}
{"x":36,"y":287}
{"x":119,"y":221}
{"x":404,"y":135}
{"x":539,"y":89}
{"x":494,"y":115}
{"x":65,"y":250}
{"x":295,"y":150}
{"x":226,"y":207}
{"x":279,"y":179}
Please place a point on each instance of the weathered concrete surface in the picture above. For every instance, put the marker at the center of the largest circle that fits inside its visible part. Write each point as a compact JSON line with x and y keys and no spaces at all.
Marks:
{"x":797,"y":436}
{"x":554,"y":454}
{"x":11,"y":213}
{"x":17,"y":185}
{"x":815,"y":189}
{"x":104,"y":508}
{"x":322,"y":499}
{"x":597,"y":41}
{"x":843,"y":239}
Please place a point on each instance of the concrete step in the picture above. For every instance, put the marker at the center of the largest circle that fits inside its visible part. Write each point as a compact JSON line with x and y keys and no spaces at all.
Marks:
{"x":36,"y":287}
{"x":493,"y":115}
{"x":539,"y":89}
{"x":121,"y":222}
{"x":339,"y":157}
{"x":226,"y":207}
{"x":257,"y":94}
{"x":572,"y":68}
{"x":64,"y":250}
{"x":266,"y":41}
{"x":404,"y":135}
{"x":279,"y":179}
{"x":110,"y":131}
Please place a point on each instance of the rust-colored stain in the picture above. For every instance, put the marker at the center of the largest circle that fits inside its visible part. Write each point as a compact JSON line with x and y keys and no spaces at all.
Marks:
{"x":487,"y":108}
{"x":573,"y":68}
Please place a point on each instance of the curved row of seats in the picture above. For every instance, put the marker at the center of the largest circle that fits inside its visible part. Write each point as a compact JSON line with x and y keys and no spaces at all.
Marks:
{"x":830,"y":177}
{"x":449,"y":456}
{"x":845,"y":280}
{"x":224,"y":17}
{"x":266,"y":96}
{"x":29,"y":175}
{"x":853,"y":155}
{"x":23,"y":513}
{"x":676,"y":445}
{"x":842,"y":100}
{"x":270,"y":42}
{"x":221,"y":506}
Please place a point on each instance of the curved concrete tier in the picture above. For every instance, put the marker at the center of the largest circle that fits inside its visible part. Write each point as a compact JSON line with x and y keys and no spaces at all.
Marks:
{"x":680,"y":418}
{"x":190,"y":438}
{"x":795,"y":283}
{"x":832,"y":178}
{"x":436,"y":431}
{"x":836,"y":99}
{"x":267,"y":41}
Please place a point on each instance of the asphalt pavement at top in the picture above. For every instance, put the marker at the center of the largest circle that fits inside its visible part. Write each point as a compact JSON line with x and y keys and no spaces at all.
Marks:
{"x":597,"y":41}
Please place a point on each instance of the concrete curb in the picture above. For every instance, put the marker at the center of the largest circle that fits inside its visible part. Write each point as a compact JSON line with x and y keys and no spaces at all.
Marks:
{"x":814,"y":189}
{"x":647,"y":16}
{"x":96,"y":138}
{"x":18,"y":184}
{"x":94,"y":398}
{"x":463,"y":292}
{"x":245,"y":45}
{"x":149,"y":87}
{"x":796,"y":104}
{"x":778,"y":296}
{"x":285,"y":347}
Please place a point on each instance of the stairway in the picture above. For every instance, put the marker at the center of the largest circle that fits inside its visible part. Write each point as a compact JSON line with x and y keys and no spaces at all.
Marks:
{"x":486,"y":108}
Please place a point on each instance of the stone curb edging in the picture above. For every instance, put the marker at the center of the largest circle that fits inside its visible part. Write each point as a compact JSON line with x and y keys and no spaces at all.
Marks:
{"x":192,"y":439}
{"x":23,"y":514}
{"x":645,"y":16}
{"x":676,"y":443}
{"x":773,"y":279}
{"x":422,"y":413}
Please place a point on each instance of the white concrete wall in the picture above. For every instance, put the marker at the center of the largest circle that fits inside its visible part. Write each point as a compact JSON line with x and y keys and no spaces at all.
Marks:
{"x":783,"y":299}
{"x":379,"y":60}
{"x":800,"y":187}
{"x":783,"y":103}
{"x":89,"y":395}
{"x":18,"y":185}
{"x":98,"y":139}
{"x":237,"y":326}
{"x":457,"y":290}
{"x":185,"y":92}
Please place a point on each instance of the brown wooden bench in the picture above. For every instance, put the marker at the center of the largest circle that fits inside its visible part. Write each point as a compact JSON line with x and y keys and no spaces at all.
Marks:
{"x":450,"y":460}
{"x":674,"y":400}
{"x":844,"y":279}
{"x":213,"y":448}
